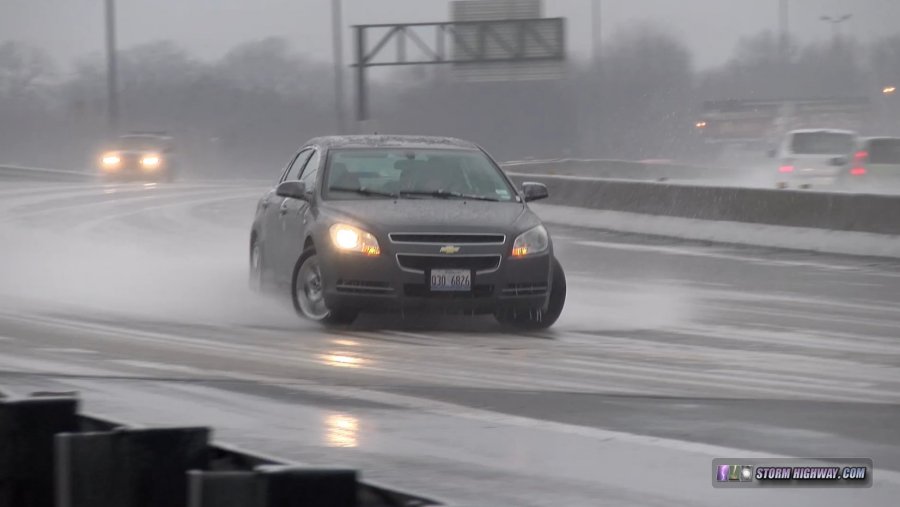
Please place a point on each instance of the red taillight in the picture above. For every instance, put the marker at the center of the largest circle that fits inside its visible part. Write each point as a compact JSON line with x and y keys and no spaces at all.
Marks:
{"x":858,"y":171}
{"x":786,"y":169}
{"x":861,"y":155}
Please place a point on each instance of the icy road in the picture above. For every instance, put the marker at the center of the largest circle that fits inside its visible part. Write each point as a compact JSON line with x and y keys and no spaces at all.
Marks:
{"x":669,"y":354}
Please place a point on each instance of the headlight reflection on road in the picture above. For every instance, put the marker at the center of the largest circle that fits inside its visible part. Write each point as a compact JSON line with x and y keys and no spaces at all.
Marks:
{"x":344,"y":342}
{"x":341,"y":359}
{"x":341,"y":430}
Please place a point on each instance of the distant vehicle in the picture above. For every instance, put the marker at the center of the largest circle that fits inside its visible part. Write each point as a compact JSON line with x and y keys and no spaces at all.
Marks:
{"x":875,"y":165}
{"x":139,"y":156}
{"x":813,"y":157}
{"x":400,"y":223}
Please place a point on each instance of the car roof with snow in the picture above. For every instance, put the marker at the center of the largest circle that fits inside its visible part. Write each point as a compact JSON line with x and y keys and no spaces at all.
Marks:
{"x":829,"y":131}
{"x":392,"y":141}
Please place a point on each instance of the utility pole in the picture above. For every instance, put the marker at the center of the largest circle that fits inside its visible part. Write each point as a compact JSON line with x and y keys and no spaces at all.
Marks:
{"x":596,"y":32}
{"x":112,"y":104}
{"x":337,"y":46}
{"x":783,"y":28}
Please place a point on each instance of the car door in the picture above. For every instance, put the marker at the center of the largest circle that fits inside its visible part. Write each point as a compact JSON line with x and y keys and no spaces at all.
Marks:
{"x":272,"y":235}
{"x":293,"y":215}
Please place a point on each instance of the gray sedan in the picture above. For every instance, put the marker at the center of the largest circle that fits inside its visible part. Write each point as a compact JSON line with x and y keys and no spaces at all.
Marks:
{"x":401,"y":223}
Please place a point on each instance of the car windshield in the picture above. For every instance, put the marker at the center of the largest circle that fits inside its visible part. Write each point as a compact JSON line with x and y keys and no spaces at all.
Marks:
{"x":141,"y":143}
{"x":884,"y":151}
{"x":414,"y":173}
{"x":821,"y":143}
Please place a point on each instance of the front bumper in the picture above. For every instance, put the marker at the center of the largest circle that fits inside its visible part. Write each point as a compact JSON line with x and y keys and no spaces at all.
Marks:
{"x":398,"y":280}
{"x":130,"y":168}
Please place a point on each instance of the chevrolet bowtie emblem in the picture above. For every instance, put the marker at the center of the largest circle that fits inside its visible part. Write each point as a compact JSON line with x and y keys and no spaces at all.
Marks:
{"x":449,"y":249}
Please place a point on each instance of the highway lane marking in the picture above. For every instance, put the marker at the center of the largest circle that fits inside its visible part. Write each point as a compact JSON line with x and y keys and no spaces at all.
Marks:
{"x":109,"y":202}
{"x":798,"y":338}
{"x":158,"y":366}
{"x":241,"y":348}
{"x":876,"y":307}
{"x":65,"y":350}
{"x":801,"y":315}
{"x":94,"y":222}
{"x":671,"y":250}
{"x":601,"y":371}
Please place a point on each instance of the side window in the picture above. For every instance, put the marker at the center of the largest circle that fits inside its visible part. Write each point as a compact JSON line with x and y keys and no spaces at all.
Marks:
{"x":293,"y":173}
{"x":310,"y":171}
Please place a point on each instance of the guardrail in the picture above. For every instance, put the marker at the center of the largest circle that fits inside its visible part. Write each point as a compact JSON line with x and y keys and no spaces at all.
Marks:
{"x":50,"y":455}
{"x":19,"y":173}
{"x":820,"y":210}
{"x":653,"y":170}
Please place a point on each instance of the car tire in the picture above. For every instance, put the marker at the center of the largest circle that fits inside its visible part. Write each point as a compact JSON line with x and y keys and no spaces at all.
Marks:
{"x":255,"y":281}
{"x":540,"y":319}
{"x":307,"y":293}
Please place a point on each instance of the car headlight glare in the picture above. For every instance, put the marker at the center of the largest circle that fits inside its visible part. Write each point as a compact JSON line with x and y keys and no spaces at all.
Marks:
{"x":531,"y":242}
{"x":348,"y":238}
{"x":150,"y":161}
{"x":110,"y":160}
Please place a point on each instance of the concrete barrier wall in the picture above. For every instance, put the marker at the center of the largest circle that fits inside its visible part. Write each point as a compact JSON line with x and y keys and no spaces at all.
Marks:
{"x":833,"y":211}
{"x":19,"y":173}
{"x":619,"y":169}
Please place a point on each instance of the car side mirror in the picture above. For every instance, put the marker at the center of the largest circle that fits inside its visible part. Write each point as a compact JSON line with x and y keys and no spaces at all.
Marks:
{"x":534,"y":191}
{"x":293,"y":190}
{"x":839,"y":161}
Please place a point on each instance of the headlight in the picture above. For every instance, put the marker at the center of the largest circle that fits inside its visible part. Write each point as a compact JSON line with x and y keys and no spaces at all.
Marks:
{"x":353,"y":239}
{"x":110,"y":160}
{"x":532,"y":241}
{"x":150,"y":161}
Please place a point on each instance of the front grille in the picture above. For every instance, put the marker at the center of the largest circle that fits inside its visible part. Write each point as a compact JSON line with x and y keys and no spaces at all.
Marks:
{"x":422,"y":263}
{"x":525,"y":289}
{"x":130,"y":160}
{"x":422,"y":291}
{"x":448,"y":238}
{"x":363,"y":287}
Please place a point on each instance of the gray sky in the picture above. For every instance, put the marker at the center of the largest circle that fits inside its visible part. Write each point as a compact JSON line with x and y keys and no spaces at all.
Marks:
{"x":208,"y":28}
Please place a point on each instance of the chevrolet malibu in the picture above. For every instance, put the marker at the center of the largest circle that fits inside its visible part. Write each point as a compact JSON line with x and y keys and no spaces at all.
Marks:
{"x":405,"y":224}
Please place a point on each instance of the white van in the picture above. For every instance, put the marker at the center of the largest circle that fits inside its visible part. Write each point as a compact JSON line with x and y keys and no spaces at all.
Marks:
{"x":814,"y":157}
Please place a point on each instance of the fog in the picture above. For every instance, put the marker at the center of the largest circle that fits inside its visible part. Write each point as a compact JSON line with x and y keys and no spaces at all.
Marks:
{"x":243,"y":109}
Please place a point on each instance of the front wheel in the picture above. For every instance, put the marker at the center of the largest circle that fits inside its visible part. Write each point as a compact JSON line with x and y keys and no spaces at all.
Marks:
{"x":308,"y":293}
{"x":544,"y":318}
{"x":256,"y":268}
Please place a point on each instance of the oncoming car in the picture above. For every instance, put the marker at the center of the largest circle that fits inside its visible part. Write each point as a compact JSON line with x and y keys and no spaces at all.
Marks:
{"x":139,"y":156}
{"x":405,"y":224}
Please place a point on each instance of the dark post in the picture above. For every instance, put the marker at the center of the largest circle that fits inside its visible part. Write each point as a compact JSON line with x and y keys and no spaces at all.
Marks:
{"x":27,"y":430}
{"x":338,"y":50}
{"x":362,"y":113}
{"x":222,"y":489}
{"x":299,"y":487}
{"x":112,"y":105}
{"x":129,"y":468}
{"x":596,"y":31}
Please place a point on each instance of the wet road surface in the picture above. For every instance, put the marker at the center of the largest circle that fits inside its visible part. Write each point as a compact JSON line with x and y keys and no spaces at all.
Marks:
{"x":669,"y":354}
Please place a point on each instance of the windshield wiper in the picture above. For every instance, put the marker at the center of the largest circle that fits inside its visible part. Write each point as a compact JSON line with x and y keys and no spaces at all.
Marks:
{"x":363,"y":191}
{"x":447,"y":194}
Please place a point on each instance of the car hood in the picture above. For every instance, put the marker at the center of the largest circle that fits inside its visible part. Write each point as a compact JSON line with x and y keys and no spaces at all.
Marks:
{"x":432,"y":215}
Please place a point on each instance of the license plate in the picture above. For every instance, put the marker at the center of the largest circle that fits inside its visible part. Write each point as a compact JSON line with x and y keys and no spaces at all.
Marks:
{"x":451,"y":280}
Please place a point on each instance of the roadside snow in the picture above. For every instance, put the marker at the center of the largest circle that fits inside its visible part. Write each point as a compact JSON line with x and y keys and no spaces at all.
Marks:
{"x":794,"y":238}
